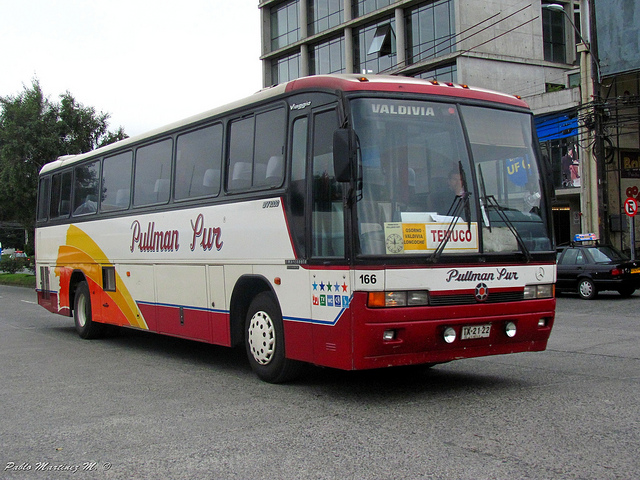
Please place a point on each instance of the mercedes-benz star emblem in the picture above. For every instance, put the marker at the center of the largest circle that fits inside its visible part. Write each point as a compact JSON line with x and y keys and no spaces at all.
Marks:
{"x":482,"y":292}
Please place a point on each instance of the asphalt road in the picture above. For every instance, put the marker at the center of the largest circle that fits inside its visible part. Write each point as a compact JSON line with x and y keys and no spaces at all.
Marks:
{"x":138,"y":405}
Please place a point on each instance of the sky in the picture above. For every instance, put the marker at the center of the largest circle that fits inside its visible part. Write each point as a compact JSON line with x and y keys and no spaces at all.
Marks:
{"x":147,"y":63}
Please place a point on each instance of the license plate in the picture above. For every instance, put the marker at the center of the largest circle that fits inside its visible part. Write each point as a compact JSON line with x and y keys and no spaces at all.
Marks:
{"x":635,"y":270}
{"x":475,"y":331}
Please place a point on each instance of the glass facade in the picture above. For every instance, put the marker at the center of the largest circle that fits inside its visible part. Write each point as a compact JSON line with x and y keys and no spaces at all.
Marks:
{"x":362,"y":7}
{"x":375,"y":47}
{"x":430,"y":30}
{"x":285,"y":27}
{"x":327,"y":57}
{"x":285,"y":69}
{"x":324,"y":14}
{"x":446,"y":73}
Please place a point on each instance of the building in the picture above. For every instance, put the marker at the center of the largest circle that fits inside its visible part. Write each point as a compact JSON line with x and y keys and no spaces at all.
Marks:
{"x":532,"y":48}
{"x":616,"y":115}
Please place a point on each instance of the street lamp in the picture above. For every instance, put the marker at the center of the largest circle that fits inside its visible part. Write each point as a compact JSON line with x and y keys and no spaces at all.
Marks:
{"x":589,"y":199}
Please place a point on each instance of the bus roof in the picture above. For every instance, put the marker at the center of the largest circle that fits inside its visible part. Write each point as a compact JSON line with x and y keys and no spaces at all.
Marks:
{"x":338,"y":82}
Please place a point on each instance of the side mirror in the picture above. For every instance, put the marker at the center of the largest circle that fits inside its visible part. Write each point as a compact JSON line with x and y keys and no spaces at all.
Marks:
{"x":344,"y":147}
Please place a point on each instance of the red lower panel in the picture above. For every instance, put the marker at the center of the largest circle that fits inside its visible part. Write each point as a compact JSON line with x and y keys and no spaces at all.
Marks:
{"x":356,"y":341}
{"x":195,"y":324}
{"x":49,"y":300}
{"x":298,"y":341}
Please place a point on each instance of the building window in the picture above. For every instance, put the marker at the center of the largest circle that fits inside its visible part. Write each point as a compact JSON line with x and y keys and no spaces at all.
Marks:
{"x":362,"y":7}
{"x":285,"y":28}
{"x":553,"y":36}
{"x":285,"y":69}
{"x":324,"y":14}
{"x":327,"y":57}
{"x":430,"y":30}
{"x":375,"y":47}
{"x":446,"y":73}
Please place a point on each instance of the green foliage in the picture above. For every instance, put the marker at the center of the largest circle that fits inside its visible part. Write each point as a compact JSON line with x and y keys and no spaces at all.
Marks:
{"x":12,"y":265}
{"x":34,"y":131}
{"x":18,"y":279}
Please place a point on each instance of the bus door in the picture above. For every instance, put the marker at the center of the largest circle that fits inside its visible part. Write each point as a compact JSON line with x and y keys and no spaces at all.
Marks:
{"x":316,"y":223}
{"x":329,"y":280}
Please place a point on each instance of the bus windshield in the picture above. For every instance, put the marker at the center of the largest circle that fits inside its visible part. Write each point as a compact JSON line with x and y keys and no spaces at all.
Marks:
{"x":422,"y":190}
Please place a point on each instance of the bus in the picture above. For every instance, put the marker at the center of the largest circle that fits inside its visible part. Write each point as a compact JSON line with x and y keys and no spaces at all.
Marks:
{"x":345,"y":221}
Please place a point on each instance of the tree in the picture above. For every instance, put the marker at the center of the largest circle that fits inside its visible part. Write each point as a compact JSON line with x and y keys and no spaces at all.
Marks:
{"x":34,"y":131}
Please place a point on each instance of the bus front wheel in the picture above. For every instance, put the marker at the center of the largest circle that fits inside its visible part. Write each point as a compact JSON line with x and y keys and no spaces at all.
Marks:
{"x":264,"y":341}
{"x":85,"y":326}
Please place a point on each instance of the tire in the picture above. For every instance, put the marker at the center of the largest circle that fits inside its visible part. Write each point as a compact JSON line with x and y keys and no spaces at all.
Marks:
{"x":587,"y":289}
{"x":85,"y":326}
{"x":264,"y":341}
{"x":626,"y":291}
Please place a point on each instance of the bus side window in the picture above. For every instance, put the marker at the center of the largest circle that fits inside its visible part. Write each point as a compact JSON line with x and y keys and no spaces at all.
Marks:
{"x":152,"y":173}
{"x":61,"y":195}
{"x":44,"y":191}
{"x":116,"y":182}
{"x":268,"y":169}
{"x":85,"y":197}
{"x":328,"y":215}
{"x":198,"y":161}
{"x":240,"y":154}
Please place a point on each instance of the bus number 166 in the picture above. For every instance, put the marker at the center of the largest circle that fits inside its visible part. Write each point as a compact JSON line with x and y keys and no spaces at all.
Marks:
{"x":368,"y":279}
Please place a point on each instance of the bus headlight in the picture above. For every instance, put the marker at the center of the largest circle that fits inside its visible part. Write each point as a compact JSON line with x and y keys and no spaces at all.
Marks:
{"x":510,"y":329}
{"x":400,"y":298}
{"x":538,"y":291}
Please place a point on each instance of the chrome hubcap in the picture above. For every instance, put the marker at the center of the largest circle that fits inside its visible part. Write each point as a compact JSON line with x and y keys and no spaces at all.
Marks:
{"x":585,"y":289}
{"x":262,"y":338}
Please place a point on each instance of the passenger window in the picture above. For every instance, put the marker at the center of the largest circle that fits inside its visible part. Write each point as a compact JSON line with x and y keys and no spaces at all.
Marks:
{"x":61,"y":195}
{"x":85,"y":197}
{"x":152,"y":174}
{"x":198,"y":161}
{"x":240,"y":155}
{"x":328,"y":216}
{"x":570,"y":256}
{"x":256,"y":151}
{"x":116,"y":182}
{"x":268,"y":157}
{"x":44,"y":190}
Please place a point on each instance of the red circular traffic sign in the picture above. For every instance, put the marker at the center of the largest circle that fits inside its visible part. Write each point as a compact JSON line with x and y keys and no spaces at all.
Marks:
{"x":630,"y":207}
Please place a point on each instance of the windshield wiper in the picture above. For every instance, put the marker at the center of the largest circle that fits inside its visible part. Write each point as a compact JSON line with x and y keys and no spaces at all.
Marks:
{"x":483,"y":199}
{"x":489,"y":201}
{"x":460,"y":202}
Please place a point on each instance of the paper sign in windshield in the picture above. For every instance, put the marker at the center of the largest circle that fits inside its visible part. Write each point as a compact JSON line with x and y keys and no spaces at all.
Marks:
{"x":425,"y":237}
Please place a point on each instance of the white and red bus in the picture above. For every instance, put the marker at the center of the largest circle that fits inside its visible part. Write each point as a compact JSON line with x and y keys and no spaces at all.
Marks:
{"x":347,"y":221}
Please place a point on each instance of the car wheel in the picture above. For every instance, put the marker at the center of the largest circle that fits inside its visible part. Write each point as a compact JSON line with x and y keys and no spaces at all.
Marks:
{"x":626,"y":291}
{"x":587,"y":289}
{"x":264,"y":341}
{"x":85,"y":326}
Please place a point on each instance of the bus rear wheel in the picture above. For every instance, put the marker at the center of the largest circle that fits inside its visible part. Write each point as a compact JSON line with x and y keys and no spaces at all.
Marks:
{"x":85,"y":326}
{"x":264,"y":341}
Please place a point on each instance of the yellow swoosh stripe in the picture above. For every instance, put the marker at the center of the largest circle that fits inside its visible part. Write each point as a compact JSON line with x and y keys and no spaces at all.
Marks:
{"x":82,"y":251}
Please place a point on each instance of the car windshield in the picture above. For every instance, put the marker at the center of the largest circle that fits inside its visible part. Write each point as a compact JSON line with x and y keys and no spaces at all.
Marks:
{"x":424,"y":188}
{"x":606,"y":255}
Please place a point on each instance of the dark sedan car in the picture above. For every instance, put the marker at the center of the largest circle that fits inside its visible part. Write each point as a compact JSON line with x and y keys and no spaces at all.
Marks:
{"x":589,"y":269}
